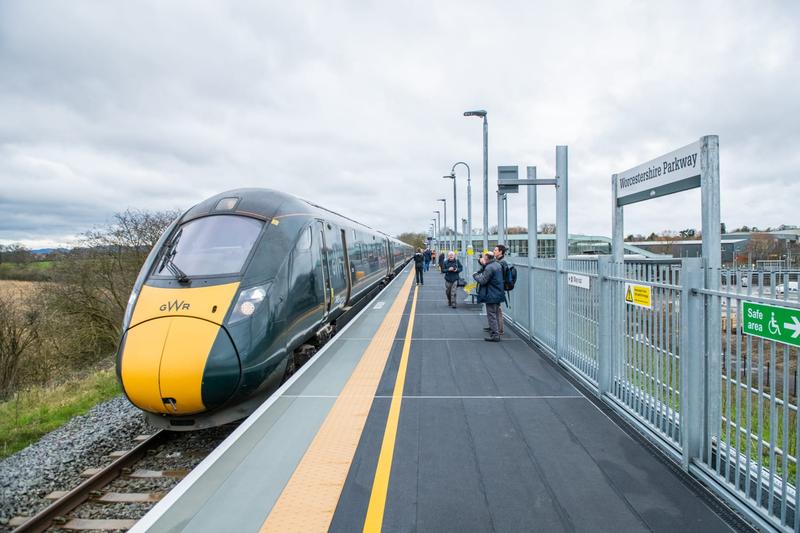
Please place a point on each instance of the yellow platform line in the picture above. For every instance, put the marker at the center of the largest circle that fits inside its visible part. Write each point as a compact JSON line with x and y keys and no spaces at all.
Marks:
{"x":309,"y":499}
{"x":380,"y":485}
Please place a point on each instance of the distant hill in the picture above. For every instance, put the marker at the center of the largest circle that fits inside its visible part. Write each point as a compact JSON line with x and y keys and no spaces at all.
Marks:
{"x":45,"y":251}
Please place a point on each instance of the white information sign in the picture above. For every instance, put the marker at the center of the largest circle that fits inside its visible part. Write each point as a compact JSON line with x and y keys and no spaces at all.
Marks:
{"x":673,"y":172}
{"x":578,"y":280}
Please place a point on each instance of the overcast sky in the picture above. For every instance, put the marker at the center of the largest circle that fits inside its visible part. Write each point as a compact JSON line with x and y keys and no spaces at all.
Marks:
{"x":358,"y":106}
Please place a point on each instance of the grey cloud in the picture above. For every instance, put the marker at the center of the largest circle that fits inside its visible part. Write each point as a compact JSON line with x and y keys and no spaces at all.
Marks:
{"x":358,"y":107}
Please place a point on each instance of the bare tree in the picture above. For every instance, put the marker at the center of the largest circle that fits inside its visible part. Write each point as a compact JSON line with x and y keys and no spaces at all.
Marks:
{"x":547,"y":228}
{"x":19,"y":330}
{"x":93,"y":282}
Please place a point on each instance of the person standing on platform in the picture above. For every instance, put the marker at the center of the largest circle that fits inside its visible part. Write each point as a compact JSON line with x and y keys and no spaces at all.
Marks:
{"x":418,"y":264}
{"x":452,"y":269}
{"x":441,"y":262}
{"x":490,"y":292}
{"x":426,"y":255}
{"x":500,"y":257}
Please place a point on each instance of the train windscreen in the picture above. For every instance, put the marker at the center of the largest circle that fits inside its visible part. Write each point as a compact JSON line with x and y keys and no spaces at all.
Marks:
{"x":210,"y":246}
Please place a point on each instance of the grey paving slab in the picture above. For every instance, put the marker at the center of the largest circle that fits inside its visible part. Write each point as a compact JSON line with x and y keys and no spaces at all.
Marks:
{"x":493,"y":437}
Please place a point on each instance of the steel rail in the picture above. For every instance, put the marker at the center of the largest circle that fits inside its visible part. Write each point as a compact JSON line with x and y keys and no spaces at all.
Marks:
{"x":44,"y":519}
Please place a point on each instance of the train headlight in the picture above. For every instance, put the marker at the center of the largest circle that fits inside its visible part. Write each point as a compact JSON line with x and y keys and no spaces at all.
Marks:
{"x":248,"y":302}
{"x":126,"y":321}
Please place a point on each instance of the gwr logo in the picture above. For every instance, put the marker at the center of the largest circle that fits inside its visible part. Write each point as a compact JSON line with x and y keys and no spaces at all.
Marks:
{"x":174,"y":305}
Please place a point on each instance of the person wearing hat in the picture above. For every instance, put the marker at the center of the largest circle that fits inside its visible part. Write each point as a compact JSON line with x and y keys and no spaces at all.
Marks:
{"x":490,"y":292}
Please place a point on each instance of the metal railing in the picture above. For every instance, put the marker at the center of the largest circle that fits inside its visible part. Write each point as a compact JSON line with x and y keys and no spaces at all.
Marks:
{"x":722,"y":403}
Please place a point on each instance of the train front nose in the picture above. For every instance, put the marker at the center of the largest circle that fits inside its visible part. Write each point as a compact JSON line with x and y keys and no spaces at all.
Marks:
{"x":179,"y":365}
{"x":178,"y":359}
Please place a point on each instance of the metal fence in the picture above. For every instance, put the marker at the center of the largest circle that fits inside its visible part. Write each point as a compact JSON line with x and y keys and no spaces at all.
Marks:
{"x":680,"y":369}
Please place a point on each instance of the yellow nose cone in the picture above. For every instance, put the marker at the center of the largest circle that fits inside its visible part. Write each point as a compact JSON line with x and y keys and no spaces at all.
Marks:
{"x":163,"y":363}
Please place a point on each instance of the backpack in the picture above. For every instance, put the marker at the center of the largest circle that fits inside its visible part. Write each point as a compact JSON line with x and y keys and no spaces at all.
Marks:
{"x":509,"y":276}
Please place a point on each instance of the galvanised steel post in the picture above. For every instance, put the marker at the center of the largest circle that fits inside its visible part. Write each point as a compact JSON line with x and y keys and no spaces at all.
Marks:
{"x":482,"y":113}
{"x":501,"y":236}
{"x":605,"y":327}
{"x":692,"y":361}
{"x":532,"y":250}
{"x":617,"y":224}
{"x":562,"y":241}
{"x":710,"y":203}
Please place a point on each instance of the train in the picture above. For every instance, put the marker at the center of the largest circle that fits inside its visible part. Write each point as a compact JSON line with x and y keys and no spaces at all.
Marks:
{"x":237,"y":293}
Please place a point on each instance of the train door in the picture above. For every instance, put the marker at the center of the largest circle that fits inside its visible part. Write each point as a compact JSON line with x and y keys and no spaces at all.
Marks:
{"x":336,"y":266}
{"x":324,"y":259}
{"x":348,"y":268}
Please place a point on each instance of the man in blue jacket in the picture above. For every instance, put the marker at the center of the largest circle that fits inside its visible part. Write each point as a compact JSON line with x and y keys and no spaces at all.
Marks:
{"x":490,"y":292}
{"x":426,"y":255}
{"x":452,"y":268}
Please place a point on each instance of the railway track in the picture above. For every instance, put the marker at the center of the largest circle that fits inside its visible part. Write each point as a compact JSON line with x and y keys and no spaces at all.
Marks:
{"x":113,"y":497}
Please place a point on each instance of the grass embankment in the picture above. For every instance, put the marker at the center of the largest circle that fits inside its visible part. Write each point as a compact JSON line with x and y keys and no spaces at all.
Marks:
{"x":30,"y":414}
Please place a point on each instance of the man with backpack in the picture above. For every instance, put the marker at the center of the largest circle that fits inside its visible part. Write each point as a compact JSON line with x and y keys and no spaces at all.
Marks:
{"x":509,"y":280}
{"x":452,"y":269}
{"x":490,"y":292}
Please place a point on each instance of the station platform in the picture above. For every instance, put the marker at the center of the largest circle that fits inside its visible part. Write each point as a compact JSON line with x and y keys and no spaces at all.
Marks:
{"x":408,"y":421}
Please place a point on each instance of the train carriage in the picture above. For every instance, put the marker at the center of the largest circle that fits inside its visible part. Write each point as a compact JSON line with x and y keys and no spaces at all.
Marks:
{"x":235,"y":295}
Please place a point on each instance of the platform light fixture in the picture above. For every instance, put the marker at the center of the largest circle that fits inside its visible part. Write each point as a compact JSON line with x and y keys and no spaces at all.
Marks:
{"x":444,"y":201}
{"x":482,"y":114}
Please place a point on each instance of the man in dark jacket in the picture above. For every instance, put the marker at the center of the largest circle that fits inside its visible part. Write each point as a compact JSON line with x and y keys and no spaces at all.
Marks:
{"x":500,"y":257}
{"x":418,"y":260}
{"x":490,"y":292}
{"x":426,"y":255}
{"x":452,"y":268}
{"x":441,"y":262}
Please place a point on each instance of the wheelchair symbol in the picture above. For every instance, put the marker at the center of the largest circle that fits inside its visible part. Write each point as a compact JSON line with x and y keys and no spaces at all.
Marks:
{"x":773,"y":326}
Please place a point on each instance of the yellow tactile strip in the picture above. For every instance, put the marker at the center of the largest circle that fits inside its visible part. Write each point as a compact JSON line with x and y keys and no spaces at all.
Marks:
{"x":309,"y":499}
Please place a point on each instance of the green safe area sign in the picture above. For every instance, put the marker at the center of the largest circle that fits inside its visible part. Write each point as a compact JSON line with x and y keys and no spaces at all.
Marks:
{"x":771,"y":322}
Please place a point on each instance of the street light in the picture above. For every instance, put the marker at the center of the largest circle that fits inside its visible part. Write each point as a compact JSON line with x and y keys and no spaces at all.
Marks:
{"x":444,"y":200}
{"x":455,"y":210}
{"x":482,"y":113}
{"x":438,"y":227}
{"x":466,"y":240}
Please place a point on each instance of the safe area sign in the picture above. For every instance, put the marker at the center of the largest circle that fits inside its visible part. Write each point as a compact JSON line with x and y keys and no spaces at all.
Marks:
{"x":771,"y":322}
{"x":639,"y":295}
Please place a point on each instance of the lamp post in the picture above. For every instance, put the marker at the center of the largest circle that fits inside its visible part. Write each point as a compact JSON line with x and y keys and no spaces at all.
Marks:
{"x":466,"y":237}
{"x":438,"y":227}
{"x":444,"y":201}
{"x":452,"y":176}
{"x":482,"y":113}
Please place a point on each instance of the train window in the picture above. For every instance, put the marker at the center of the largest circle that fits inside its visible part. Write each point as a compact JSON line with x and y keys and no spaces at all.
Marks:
{"x":211,"y":246}
{"x":304,"y":241}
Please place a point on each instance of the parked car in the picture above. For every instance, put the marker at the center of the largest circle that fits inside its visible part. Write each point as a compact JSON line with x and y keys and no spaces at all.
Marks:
{"x":791,"y":286}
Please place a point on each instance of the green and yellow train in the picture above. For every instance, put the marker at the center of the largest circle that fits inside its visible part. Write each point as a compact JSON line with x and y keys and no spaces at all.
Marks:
{"x":236,"y":289}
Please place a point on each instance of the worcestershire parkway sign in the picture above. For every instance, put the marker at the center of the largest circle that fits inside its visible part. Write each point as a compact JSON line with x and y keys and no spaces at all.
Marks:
{"x":673,"y":172}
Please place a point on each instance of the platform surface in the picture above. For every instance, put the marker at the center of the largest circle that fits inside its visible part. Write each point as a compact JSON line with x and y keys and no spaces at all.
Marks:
{"x":486,"y":437}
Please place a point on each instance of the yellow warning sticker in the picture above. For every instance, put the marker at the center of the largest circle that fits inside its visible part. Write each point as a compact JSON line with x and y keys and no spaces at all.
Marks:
{"x":470,"y":251}
{"x":639,"y":295}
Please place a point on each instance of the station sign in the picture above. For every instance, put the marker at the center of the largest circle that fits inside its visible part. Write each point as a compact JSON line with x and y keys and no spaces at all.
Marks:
{"x":639,"y":295}
{"x":772,"y":322}
{"x":507,"y":173}
{"x":674,"y":172}
{"x":579,"y":280}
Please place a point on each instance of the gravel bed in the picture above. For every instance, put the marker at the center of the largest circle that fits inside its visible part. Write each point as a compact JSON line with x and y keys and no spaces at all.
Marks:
{"x":56,"y":461}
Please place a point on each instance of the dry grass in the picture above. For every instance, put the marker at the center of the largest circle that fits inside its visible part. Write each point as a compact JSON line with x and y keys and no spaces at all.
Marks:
{"x":18,"y":290}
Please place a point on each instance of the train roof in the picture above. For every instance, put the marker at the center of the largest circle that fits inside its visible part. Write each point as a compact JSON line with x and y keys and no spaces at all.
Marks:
{"x":265,"y":204}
